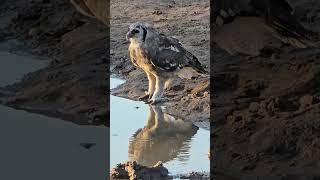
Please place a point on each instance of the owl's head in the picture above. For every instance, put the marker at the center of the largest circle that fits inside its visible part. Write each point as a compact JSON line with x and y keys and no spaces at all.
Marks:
{"x":138,"y":32}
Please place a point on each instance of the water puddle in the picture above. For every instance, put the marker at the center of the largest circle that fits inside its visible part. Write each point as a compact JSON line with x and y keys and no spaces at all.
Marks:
{"x":147,"y":135}
{"x":38,"y":147}
{"x":13,"y":67}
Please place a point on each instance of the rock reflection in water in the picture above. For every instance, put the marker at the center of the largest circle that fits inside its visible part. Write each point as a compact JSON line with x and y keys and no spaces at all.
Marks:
{"x":163,"y":138}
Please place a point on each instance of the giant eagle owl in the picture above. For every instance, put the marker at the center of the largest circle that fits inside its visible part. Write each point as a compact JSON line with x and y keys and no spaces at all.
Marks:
{"x":162,"y":138}
{"x":252,"y":26}
{"x":159,"y":56}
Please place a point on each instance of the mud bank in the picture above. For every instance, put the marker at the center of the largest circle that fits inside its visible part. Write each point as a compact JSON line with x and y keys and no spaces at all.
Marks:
{"x":265,"y":116}
{"x":74,"y":85}
{"x":189,"y":22}
{"x":132,"y":170}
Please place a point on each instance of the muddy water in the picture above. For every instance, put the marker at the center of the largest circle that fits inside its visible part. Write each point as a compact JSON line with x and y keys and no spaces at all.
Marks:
{"x":37,"y":147}
{"x":147,"y":135}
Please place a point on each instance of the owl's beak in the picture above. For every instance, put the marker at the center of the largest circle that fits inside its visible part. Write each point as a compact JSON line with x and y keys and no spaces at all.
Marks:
{"x":129,"y":35}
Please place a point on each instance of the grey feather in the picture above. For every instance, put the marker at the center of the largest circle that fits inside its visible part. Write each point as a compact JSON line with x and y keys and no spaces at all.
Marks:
{"x":171,"y":55}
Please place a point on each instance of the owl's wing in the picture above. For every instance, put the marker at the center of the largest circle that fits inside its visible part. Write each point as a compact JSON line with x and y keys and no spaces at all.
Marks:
{"x":171,"y":55}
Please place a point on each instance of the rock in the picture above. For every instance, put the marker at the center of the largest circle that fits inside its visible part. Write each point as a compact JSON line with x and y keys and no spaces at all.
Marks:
{"x":119,"y":172}
{"x":254,"y":107}
{"x":195,"y":175}
{"x":306,"y":101}
{"x":157,"y":12}
{"x":134,"y":171}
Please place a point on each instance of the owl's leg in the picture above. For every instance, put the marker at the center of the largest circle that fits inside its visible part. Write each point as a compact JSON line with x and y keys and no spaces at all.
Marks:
{"x":152,"y":85}
{"x":151,"y":118}
{"x":151,"y":88}
{"x":158,"y":93}
{"x":158,"y":116}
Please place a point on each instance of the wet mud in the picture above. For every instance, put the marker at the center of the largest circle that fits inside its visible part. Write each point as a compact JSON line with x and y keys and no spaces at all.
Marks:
{"x":74,"y":85}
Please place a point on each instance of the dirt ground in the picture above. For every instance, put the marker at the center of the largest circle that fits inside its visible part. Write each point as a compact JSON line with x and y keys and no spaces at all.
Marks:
{"x":190,"y":23}
{"x":266,"y":111}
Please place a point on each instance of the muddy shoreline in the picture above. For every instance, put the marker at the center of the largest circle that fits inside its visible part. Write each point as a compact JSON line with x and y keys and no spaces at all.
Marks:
{"x":74,"y":85}
{"x":132,"y":170}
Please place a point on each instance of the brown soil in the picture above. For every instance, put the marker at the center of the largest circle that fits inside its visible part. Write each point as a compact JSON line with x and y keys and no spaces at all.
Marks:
{"x":266,"y":113}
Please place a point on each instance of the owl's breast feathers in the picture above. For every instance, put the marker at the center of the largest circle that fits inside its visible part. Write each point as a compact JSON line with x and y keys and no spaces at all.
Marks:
{"x":136,"y":54}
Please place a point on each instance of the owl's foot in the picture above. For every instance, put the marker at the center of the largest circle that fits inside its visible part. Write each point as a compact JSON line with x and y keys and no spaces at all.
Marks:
{"x":144,"y":98}
{"x":156,"y":101}
{"x":153,"y":102}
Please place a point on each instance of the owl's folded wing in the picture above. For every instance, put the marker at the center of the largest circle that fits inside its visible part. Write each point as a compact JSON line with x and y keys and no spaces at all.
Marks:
{"x":171,"y":55}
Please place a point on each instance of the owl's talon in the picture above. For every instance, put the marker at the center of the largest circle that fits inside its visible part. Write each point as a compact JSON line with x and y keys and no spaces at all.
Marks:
{"x":155,"y":101}
{"x":145,"y":97}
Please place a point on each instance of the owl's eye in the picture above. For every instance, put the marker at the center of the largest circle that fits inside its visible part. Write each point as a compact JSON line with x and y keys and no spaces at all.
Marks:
{"x":135,"y":31}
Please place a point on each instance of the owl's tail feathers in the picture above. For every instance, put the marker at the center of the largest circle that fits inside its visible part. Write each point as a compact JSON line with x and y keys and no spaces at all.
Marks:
{"x":192,"y":72}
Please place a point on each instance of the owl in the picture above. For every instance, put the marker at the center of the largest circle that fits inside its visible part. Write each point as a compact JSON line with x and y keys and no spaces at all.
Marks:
{"x":161,"y":57}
